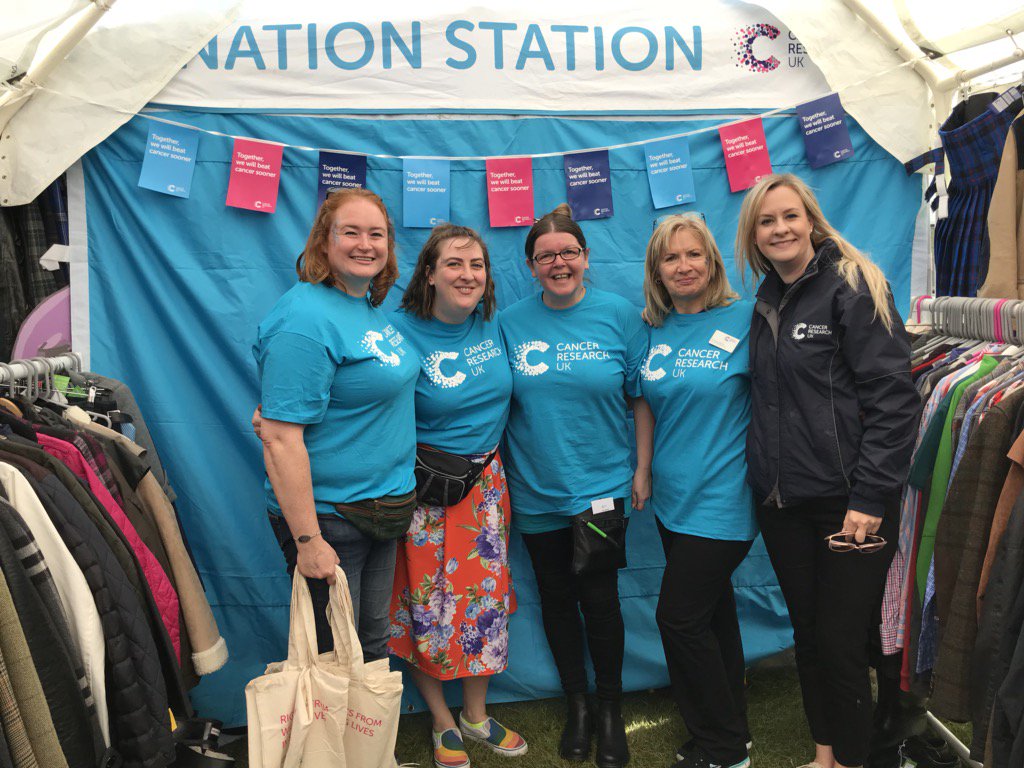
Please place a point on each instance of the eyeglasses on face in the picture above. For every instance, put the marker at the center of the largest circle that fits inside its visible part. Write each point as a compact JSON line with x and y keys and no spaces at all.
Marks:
{"x":843,"y":542}
{"x":548,"y":257}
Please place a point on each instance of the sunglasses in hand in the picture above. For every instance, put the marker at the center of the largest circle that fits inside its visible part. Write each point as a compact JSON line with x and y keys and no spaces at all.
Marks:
{"x":843,"y":541}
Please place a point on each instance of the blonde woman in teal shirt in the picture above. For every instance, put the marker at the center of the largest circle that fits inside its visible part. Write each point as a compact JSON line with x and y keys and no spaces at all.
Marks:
{"x":693,"y":420}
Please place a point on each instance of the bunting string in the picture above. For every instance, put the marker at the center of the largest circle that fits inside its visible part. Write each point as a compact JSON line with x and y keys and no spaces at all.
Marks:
{"x":148,"y":114}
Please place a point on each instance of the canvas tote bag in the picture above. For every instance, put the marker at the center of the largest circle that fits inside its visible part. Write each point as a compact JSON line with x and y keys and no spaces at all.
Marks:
{"x":374,"y":692}
{"x":297,"y":710}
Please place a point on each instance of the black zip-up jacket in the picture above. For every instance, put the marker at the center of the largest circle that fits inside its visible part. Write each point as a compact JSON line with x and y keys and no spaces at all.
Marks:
{"x":834,"y":411}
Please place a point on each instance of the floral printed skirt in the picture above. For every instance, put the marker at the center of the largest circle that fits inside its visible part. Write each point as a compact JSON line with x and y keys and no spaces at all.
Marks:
{"x":453,"y":591}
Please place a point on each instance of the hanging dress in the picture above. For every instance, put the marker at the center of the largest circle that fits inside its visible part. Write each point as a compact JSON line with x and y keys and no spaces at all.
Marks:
{"x":973,"y":149}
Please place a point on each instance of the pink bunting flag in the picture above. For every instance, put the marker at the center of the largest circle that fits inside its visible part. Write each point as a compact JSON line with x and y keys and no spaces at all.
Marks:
{"x":510,"y":191}
{"x":746,"y":153}
{"x":255,"y":175}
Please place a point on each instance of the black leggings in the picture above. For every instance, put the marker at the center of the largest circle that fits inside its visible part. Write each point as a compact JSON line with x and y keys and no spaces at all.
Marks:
{"x":562,"y":597}
{"x":833,"y":600}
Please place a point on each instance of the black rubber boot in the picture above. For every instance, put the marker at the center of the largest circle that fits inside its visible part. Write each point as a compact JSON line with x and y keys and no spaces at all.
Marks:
{"x":575,"y":741}
{"x":612,"y":749}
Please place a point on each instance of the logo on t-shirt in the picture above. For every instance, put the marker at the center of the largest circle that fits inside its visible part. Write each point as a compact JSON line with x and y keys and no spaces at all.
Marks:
{"x":522,"y":365}
{"x":371,"y":345}
{"x":649,"y":374}
{"x":432,"y":365}
{"x":476,"y":357}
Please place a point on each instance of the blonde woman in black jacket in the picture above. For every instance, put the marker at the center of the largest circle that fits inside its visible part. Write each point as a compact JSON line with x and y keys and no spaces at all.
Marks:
{"x":834,"y":414}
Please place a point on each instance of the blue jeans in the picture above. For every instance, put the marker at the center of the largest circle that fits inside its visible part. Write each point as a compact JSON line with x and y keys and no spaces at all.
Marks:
{"x":370,"y":568}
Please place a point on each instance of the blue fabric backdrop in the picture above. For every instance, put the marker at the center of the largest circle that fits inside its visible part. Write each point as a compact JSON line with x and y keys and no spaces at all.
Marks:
{"x":177,"y":288}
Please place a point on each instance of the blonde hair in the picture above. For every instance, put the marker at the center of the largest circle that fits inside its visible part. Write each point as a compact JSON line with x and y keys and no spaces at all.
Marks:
{"x":312,"y":266}
{"x":853,"y":266}
{"x":657,"y":302}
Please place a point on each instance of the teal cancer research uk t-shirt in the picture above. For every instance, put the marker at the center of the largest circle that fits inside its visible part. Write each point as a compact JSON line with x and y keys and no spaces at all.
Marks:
{"x":336,"y":363}
{"x":696,"y":378}
{"x":464,"y":384}
{"x":566,"y":443}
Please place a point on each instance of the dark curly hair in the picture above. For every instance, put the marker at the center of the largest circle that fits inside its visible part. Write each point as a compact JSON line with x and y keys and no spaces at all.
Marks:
{"x":419,"y":296}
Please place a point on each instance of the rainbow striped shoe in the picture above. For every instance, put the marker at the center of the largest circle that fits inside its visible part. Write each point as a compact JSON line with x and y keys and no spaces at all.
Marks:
{"x":494,"y":735}
{"x":449,"y":751}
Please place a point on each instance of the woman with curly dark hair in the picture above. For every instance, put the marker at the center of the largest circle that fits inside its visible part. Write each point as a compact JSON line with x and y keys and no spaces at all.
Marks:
{"x":453,"y":592}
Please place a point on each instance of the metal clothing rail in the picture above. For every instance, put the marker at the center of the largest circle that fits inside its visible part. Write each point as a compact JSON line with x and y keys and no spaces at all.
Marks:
{"x":32,"y":369}
{"x":999,"y":320}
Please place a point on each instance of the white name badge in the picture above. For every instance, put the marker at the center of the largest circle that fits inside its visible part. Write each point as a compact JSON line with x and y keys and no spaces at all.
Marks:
{"x":597,"y":506}
{"x":724,"y":341}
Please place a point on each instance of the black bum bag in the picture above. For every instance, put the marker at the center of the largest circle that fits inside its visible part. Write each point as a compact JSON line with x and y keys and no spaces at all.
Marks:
{"x":444,"y":479}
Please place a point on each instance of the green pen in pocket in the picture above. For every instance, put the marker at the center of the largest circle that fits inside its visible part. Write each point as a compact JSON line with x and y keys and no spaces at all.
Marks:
{"x":597,"y":530}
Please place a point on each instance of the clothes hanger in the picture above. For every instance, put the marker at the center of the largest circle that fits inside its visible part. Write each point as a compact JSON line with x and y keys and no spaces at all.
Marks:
{"x":956,"y":320}
{"x":6,"y":404}
{"x":51,"y":396}
{"x":44,"y":390}
{"x":936,"y":323}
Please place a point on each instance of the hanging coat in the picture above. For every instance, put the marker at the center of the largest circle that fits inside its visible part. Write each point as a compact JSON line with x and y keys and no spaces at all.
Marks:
{"x":27,"y":687}
{"x":75,"y":597}
{"x":112,"y":535}
{"x":63,"y":697}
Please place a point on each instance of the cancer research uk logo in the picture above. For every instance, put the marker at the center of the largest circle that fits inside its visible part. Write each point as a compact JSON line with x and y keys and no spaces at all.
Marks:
{"x":566,"y":353}
{"x":747,"y":39}
{"x":432,"y":365}
{"x":475,"y":356}
{"x":370,"y":344}
{"x":649,"y":374}
{"x":803,"y":331}
{"x":522,"y":365}
{"x":685,"y":359}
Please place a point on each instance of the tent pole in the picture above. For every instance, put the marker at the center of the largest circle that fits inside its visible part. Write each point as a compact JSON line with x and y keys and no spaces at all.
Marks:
{"x":16,"y":97}
{"x":966,"y":75}
{"x":988,"y":32}
{"x":904,"y":50}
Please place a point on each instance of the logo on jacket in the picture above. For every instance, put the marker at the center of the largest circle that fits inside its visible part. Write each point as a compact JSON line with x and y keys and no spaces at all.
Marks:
{"x":522,"y":365}
{"x":803,"y":331}
{"x":370,"y":345}
{"x":649,"y":374}
{"x":432,"y":365}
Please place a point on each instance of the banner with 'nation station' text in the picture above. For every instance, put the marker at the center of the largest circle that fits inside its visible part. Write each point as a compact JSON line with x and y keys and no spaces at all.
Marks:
{"x":463,"y":58}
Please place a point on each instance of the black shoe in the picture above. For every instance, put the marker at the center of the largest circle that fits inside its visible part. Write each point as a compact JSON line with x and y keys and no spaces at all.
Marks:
{"x":684,"y":750}
{"x":575,"y":741}
{"x":690,"y":745}
{"x":929,"y":753}
{"x":693,"y":756}
{"x":612,"y":749}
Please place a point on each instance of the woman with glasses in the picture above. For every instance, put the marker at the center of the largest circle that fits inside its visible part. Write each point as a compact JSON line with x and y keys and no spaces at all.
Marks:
{"x":695,"y":409}
{"x":834,"y":415}
{"x":339,"y":436}
{"x":576,"y":353}
{"x":453,"y":590}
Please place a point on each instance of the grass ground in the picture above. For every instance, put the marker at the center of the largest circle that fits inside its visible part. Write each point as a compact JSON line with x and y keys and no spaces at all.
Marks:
{"x":654,"y":729}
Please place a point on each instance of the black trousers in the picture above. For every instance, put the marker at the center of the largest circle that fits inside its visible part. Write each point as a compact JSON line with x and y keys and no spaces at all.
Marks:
{"x":562,"y":598}
{"x":834,"y":600}
{"x":701,"y":636}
